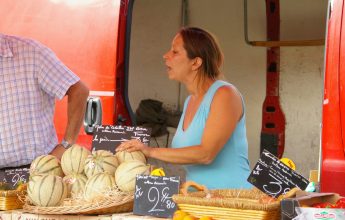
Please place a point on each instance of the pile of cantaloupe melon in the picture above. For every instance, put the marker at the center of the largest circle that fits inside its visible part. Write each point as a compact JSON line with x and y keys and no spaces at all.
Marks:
{"x":83,"y":175}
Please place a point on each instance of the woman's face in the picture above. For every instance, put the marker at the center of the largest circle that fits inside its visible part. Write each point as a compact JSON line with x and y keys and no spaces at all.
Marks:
{"x":179,"y":66}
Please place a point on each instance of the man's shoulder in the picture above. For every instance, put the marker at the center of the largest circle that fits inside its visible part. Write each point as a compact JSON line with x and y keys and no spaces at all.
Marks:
{"x":19,"y":41}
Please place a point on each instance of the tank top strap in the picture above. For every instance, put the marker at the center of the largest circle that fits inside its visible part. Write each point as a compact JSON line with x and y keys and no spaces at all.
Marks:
{"x":212,"y":90}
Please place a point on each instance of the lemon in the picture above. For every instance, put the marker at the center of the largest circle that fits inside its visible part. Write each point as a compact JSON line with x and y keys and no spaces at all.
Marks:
{"x":189,"y":217}
{"x":158,"y":172}
{"x":179,"y":215}
{"x":288,"y":162}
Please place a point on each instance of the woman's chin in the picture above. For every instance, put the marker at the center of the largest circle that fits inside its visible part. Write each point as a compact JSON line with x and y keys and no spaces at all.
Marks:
{"x":171,"y":77}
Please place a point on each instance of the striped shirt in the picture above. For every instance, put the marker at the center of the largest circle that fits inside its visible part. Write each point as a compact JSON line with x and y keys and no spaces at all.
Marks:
{"x":31,"y":78}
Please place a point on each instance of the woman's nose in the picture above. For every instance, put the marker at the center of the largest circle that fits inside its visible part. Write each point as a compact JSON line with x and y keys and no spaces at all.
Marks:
{"x":165,"y":56}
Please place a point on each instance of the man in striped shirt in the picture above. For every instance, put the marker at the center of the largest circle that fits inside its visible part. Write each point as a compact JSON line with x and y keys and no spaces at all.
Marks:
{"x":31,"y":78}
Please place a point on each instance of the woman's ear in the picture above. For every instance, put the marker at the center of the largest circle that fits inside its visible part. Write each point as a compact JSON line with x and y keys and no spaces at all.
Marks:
{"x":197,"y":62}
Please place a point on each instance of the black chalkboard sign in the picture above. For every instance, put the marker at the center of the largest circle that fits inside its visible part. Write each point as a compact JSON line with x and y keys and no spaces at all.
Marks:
{"x":108,"y":137}
{"x":273,"y":177}
{"x":13,"y":176}
{"x":153,"y":195}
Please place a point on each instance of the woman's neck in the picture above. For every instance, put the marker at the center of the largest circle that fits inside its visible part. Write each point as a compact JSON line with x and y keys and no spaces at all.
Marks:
{"x":197,"y":89}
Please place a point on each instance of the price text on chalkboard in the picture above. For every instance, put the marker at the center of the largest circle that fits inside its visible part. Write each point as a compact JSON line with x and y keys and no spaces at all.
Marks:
{"x":273,"y":177}
{"x":153,"y":195}
{"x":108,"y":137}
{"x":14,"y":176}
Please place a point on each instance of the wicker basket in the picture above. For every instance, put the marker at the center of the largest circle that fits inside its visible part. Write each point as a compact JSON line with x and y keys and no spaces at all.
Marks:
{"x":116,"y":202}
{"x":12,"y":199}
{"x":228,"y":204}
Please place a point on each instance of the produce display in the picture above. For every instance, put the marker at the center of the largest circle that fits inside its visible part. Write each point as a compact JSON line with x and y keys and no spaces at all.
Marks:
{"x":97,"y":185}
{"x":83,"y":176}
{"x":157,"y":172}
{"x":100,"y":161}
{"x":126,"y":173}
{"x":75,"y":184}
{"x":73,"y":159}
{"x":47,"y":190}
{"x":124,"y":156}
{"x":46,"y":164}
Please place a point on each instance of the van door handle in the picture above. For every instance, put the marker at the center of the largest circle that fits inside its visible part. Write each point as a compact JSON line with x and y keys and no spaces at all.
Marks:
{"x":93,"y":114}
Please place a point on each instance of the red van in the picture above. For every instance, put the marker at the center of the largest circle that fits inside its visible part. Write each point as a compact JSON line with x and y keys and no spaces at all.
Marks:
{"x":332,"y":176}
{"x":90,"y":37}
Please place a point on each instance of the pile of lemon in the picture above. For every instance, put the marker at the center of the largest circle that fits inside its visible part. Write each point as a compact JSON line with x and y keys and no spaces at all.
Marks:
{"x":181,"y":215}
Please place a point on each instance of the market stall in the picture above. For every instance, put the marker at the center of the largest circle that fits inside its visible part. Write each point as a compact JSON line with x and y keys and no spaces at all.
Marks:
{"x":111,"y":186}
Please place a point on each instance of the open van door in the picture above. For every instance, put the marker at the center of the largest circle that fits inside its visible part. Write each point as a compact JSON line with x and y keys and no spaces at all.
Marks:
{"x":89,"y":37}
{"x":332,"y":178}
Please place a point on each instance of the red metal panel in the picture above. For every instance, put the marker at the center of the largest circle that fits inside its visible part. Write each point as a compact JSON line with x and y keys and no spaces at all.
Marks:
{"x":121,"y":111}
{"x":333,"y":111}
{"x":273,"y":119}
{"x":82,"y":33}
{"x":342,"y":79}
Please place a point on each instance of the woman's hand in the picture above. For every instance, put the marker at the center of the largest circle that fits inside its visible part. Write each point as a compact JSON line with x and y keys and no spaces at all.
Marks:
{"x":134,"y":145}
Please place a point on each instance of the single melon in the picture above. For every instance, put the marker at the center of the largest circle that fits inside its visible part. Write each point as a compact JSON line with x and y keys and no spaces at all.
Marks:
{"x":124,"y":156}
{"x":46,"y":190}
{"x":100,"y":161}
{"x":46,"y":164}
{"x":73,"y":159}
{"x":98,"y":185}
{"x":126,"y":173}
{"x":75,"y":184}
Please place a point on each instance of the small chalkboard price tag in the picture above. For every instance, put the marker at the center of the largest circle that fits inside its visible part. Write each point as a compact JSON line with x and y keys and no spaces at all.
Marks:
{"x":153,"y":195}
{"x":273,"y":177}
{"x":108,"y":137}
{"x":14,"y":176}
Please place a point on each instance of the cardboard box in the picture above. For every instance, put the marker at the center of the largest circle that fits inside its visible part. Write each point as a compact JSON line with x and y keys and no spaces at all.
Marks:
{"x":29,"y":216}
{"x":17,"y":215}
{"x":299,"y":208}
{"x":97,"y":217}
{"x":318,"y":213}
{"x":69,"y":217}
{"x":131,"y":216}
{"x":20,"y":215}
{"x":6,"y":215}
{"x":314,"y":176}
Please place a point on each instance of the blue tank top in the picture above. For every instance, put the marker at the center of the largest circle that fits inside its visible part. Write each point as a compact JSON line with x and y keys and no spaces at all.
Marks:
{"x":230,"y":169}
